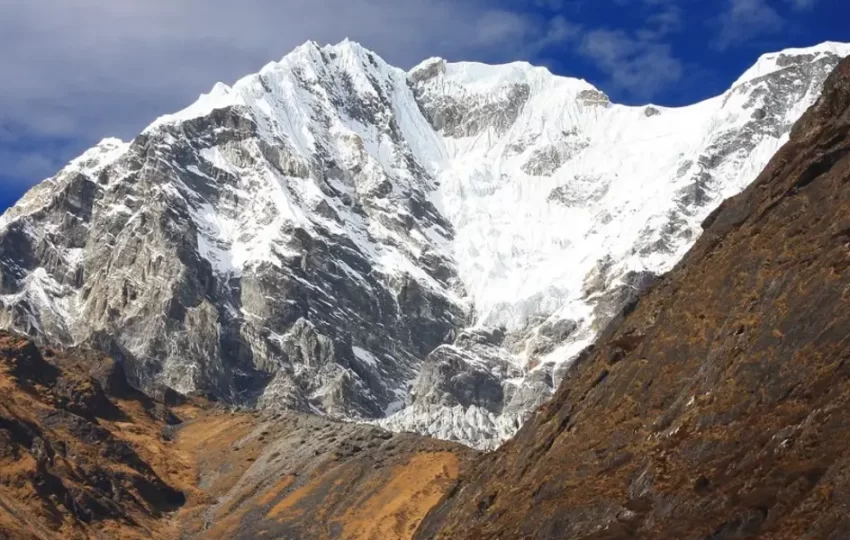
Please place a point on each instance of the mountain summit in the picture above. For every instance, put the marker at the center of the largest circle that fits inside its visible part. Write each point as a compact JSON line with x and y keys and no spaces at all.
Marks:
{"x":431,"y":249}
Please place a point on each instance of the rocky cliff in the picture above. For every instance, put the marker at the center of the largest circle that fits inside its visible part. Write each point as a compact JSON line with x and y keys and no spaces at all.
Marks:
{"x":717,"y":405}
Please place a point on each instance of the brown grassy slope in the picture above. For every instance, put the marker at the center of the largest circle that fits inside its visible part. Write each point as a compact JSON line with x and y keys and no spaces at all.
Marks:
{"x":69,"y":467}
{"x":82,"y":455}
{"x":301,"y":477}
{"x":720,"y":406}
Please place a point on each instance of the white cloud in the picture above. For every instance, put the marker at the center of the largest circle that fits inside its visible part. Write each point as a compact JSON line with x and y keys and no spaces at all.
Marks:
{"x":743,"y":20}
{"x":642,"y":66}
{"x":65,"y":64}
{"x":494,"y":26}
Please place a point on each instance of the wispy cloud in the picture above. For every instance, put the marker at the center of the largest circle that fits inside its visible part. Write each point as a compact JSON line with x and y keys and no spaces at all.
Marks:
{"x":78,"y":70}
{"x":21,"y":165}
{"x":529,"y":34}
{"x":743,"y":20}
{"x":642,"y":66}
{"x":639,"y":62}
{"x":666,"y":18}
{"x":61,"y":60}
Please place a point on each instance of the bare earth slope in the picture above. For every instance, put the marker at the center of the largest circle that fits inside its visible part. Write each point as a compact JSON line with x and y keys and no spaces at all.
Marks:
{"x":300,"y":477}
{"x":720,"y":406}
{"x":82,"y":455}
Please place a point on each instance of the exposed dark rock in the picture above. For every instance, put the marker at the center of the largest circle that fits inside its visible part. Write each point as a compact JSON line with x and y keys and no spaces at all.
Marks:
{"x":463,"y":118}
{"x":593,"y":98}
{"x":452,"y":378}
{"x":133,"y":256}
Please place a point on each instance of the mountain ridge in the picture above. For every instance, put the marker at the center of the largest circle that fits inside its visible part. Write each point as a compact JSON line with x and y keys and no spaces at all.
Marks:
{"x":716,"y":407}
{"x":320,"y":234}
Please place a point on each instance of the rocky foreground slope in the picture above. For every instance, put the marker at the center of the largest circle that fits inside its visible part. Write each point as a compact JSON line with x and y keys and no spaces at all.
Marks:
{"x":336,"y":236}
{"x":719,"y":405}
{"x":82,"y":455}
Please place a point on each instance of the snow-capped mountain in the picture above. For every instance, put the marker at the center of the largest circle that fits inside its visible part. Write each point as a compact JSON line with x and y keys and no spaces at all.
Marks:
{"x":428,"y":248}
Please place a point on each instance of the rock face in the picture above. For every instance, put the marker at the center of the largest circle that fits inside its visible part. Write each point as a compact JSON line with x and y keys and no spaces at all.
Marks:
{"x":469,"y":391}
{"x":220,"y":253}
{"x":717,"y":406}
{"x":321,"y":235}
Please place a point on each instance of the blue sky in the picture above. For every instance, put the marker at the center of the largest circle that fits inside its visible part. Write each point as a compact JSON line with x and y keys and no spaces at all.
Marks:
{"x":76,"y":71}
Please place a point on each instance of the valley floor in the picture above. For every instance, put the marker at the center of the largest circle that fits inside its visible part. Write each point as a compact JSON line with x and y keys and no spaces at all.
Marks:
{"x":85,"y":456}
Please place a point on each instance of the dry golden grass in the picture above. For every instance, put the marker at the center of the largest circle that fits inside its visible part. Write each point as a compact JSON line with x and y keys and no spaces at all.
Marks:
{"x":333,"y":492}
{"x":398,"y":507}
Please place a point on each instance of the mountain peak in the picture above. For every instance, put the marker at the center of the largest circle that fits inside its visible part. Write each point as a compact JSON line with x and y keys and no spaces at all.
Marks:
{"x":103,"y":154}
{"x":330,"y":229}
{"x":309,"y":60}
{"x":480,"y":78}
{"x":717,"y":405}
{"x":771,"y":62}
